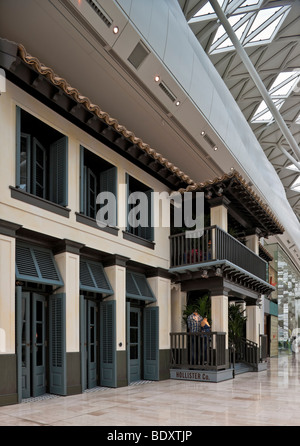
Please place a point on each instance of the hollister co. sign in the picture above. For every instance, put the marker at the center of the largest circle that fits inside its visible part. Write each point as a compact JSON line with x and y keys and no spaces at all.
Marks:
{"x":194,"y":375}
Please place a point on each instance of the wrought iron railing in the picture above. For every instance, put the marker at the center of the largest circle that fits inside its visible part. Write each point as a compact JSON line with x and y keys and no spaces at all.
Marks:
{"x":203,"y":351}
{"x":214,"y":244}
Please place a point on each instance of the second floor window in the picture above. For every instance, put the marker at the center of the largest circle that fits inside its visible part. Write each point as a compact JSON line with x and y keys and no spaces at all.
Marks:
{"x":42,"y":159}
{"x":97,"y":176}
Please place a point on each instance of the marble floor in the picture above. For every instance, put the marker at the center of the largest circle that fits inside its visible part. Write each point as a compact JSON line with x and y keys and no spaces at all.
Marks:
{"x":267,"y":398}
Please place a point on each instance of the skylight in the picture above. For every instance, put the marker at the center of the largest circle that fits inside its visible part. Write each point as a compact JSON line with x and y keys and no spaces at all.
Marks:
{"x":252,"y":25}
{"x":296,"y":185}
{"x":280,"y":89}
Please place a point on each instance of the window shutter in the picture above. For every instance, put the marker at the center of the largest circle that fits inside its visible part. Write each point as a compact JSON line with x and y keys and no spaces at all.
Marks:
{"x":93,"y":277}
{"x":108,"y":376}
{"x":82,"y":182}
{"x":151,"y":343}
{"x":83,"y":354}
{"x":91,"y":193}
{"x":59,"y":171}
{"x":148,"y":232}
{"x":38,"y":169}
{"x":137,"y":287}
{"x":57,"y":341}
{"x":37,"y":265}
{"x":108,"y":183}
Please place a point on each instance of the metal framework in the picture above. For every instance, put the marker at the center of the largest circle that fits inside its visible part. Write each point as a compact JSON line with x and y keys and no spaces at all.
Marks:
{"x":268,"y":32}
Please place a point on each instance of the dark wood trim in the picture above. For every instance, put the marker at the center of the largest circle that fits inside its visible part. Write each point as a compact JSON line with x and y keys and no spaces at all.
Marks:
{"x":68,"y":246}
{"x":80,"y":218}
{"x":140,"y":241}
{"x":115,"y":259}
{"x":21,"y":195}
{"x":8,"y":228}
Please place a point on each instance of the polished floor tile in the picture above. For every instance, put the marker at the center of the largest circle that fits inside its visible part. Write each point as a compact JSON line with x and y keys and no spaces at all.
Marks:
{"x":267,"y":398}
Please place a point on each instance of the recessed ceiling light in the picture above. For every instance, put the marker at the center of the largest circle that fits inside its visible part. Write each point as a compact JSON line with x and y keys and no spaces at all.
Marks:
{"x":115,"y":29}
{"x":157,"y":78}
{"x":202,"y":133}
{"x":177,"y":103}
{"x":215,"y":148}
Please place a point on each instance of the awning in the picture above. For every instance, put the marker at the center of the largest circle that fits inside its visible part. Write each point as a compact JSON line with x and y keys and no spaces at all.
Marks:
{"x":137,"y":287}
{"x":93,"y":278}
{"x":35,"y":264}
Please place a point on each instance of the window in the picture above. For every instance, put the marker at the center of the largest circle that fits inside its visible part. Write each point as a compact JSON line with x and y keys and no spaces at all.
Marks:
{"x":42,"y":159}
{"x":139,"y":209}
{"x":98,"y":188}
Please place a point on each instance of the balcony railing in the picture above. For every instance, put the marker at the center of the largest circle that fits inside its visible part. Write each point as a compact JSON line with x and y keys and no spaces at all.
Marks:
{"x":203,"y":351}
{"x":215,"y":244}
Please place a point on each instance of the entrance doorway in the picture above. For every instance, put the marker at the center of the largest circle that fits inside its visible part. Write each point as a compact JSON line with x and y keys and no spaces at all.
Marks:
{"x":97,"y":342}
{"x":34,"y":342}
{"x":142,"y":342}
{"x":134,"y":344}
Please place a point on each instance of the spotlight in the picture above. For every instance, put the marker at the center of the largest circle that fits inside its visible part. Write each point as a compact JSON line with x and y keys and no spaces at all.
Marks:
{"x":115,"y":29}
{"x":157,"y":78}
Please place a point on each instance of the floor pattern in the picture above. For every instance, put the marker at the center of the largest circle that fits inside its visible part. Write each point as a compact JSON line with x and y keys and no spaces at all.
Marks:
{"x":267,"y":398}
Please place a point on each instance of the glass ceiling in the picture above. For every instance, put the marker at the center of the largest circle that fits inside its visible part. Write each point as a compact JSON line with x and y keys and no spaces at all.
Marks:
{"x":251,"y":25}
{"x":272,"y":39}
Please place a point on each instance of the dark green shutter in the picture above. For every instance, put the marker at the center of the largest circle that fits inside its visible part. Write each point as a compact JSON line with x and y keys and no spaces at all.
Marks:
{"x":59,"y":171}
{"x":82,"y":182}
{"x":38,"y":169}
{"x":57,"y":344}
{"x":35,"y":264}
{"x":108,"y":183}
{"x":83,"y":342}
{"x":151,"y":345}
{"x":19,"y":326}
{"x":91,"y":186}
{"x":148,"y":232}
{"x":108,"y":376}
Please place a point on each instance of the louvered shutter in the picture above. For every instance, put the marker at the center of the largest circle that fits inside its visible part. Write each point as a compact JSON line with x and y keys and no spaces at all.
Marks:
{"x":108,"y":375}
{"x":83,"y":197}
{"x":59,"y":171}
{"x":37,"y":265}
{"x":151,"y":343}
{"x":57,"y":344}
{"x":137,"y":287}
{"x":83,"y":355}
{"x":93,"y":277}
{"x":148,"y":232}
{"x":108,"y":183}
{"x":39,"y":177}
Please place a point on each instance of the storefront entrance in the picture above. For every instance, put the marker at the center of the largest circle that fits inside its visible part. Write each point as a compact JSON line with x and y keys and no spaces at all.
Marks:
{"x":34,"y":343}
{"x":134,"y":347}
{"x":97,"y":340}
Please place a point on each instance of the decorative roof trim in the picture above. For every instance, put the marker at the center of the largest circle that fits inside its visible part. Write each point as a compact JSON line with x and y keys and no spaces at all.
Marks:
{"x":235,"y":175}
{"x":95,"y":109}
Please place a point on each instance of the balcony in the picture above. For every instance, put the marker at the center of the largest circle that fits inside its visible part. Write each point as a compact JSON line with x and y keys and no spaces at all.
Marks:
{"x":215,"y":245}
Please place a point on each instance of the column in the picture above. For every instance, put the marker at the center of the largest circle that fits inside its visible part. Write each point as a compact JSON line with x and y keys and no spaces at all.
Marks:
{"x":253,"y":324}
{"x":252,"y":240}
{"x":115,"y":269}
{"x":178,"y":302}
{"x":67,"y":256}
{"x":219,"y":313}
{"x":161,"y":287}
{"x":219,"y":213}
{"x":8,"y":371}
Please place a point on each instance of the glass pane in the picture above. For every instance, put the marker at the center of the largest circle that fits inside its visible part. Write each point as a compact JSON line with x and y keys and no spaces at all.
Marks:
{"x":39,"y":356}
{"x":133,"y":335}
{"x":133,"y":352}
{"x":39,"y":334}
{"x":39,"y":311}
{"x":133,"y":319}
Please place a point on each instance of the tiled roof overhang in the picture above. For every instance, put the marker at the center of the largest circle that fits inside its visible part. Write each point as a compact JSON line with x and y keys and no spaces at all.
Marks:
{"x":244,"y":202}
{"x":40,"y":81}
